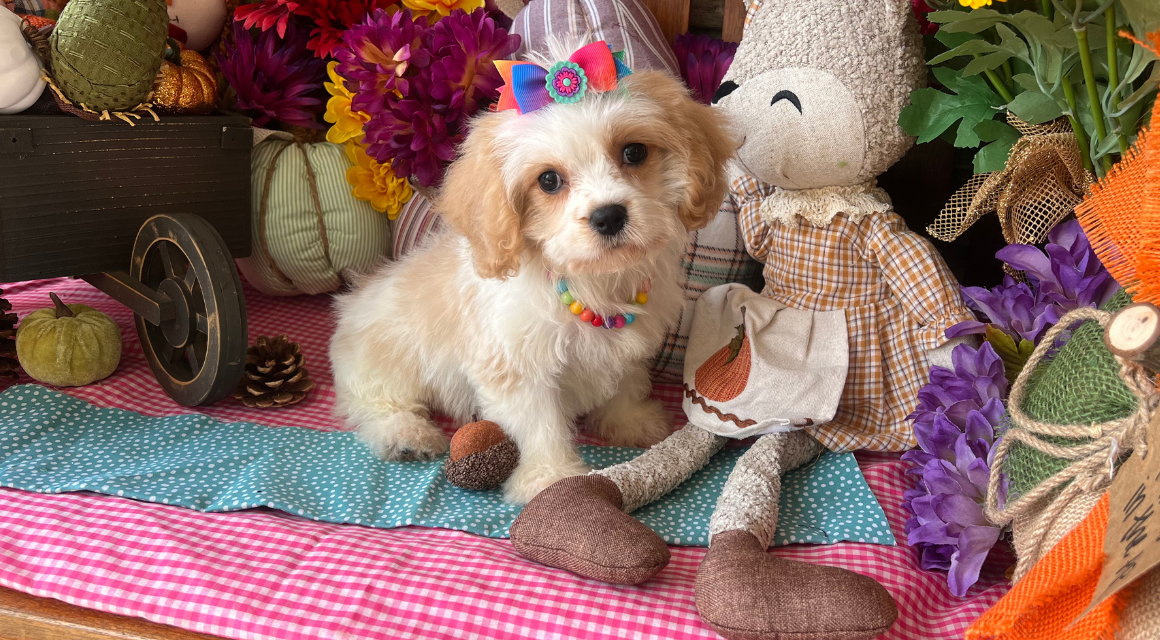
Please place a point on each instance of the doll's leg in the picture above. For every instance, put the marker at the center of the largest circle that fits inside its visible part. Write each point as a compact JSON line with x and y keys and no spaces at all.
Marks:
{"x":662,"y":468}
{"x":749,"y":500}
{"x":744,"y":592}
{"x":581,"y":524}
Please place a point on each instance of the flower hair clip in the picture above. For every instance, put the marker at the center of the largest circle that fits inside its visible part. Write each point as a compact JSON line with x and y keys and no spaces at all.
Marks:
{"x":528,"y":86}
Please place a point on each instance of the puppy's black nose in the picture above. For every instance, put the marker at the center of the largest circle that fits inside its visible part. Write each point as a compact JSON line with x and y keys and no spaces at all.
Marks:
{"x":609,"y":219}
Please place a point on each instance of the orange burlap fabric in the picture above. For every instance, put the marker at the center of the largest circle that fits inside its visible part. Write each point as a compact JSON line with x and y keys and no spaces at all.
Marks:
{"x":1056,"y":590}
{"x":1122,"y":215}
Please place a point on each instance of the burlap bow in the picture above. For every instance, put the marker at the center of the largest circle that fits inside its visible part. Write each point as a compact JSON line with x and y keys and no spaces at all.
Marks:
{"x":1043,"y":181}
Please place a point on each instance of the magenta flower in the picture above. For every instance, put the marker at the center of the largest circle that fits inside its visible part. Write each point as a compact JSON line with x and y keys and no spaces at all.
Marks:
{"x":275,"y":78}
{"x":958,"y":412}
{"x":703,"y":62}
{"x":420,"y":133}
{"x":378,"y":56}
{"x":465,"y":47}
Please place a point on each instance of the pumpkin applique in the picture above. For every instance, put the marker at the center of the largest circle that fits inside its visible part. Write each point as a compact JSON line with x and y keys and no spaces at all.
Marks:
{"x":724,"y":375}
{"x":185,"y":84}
{"x":68,"y":345}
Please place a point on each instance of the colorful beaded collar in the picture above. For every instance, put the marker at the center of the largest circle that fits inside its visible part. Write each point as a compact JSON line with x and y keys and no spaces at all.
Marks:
{"x":618,"y":321}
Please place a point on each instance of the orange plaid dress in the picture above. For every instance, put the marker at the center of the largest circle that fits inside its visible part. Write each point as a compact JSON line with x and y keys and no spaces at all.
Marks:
{"x":898,"y":295}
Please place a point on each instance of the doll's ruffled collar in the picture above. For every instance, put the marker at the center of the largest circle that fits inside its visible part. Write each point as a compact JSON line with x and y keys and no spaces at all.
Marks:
{"x":816,"y":206}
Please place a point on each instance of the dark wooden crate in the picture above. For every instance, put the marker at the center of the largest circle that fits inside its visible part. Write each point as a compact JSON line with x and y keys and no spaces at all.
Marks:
{"x":73,"y":193}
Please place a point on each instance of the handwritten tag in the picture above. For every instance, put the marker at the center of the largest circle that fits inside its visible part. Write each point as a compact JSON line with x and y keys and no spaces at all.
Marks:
{"x":1132,"y":541}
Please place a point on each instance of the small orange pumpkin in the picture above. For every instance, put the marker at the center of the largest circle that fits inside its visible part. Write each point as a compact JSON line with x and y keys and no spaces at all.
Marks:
{"x":724,"y":375}
{"x":186,"y":88}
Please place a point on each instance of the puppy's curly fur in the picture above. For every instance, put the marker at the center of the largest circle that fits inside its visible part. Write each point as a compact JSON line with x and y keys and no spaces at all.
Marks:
{"x":471,"y":323}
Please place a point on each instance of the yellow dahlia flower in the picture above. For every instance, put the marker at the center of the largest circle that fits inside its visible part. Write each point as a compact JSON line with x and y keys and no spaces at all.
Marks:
{"x":376,"y":183}
{"x":435,"y":9}
{"x":977,"y":4}
{"x":347,"y":124}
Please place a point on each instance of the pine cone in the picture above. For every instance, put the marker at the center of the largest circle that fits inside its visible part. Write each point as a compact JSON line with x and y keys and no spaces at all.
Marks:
{"x":274,"y":376}
{"x":7,"y":340}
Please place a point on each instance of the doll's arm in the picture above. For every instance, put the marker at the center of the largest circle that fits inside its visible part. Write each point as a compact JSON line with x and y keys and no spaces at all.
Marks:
{"x":918,"y":277}
{"x":754,"y":230}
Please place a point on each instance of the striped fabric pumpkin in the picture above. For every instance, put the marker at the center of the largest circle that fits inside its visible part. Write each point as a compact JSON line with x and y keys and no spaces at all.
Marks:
{"x":308,"y":229}
{"x":624,"y":24}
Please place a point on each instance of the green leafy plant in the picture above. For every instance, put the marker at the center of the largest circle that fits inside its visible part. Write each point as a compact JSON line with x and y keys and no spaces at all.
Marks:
{"x":1056,"y":58}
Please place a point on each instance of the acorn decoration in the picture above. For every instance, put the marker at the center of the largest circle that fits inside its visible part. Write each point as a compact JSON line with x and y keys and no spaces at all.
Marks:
{"x":185,"y":84}
{"x":482,"y":456}
{"x":8,"y":361}
{"x":274,"y":374}
{"x":724,"y":375}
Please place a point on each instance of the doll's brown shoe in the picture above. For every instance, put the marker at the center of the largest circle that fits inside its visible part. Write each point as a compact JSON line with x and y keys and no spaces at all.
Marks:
{"x":745,"y":593}
{"x":577,"y":525}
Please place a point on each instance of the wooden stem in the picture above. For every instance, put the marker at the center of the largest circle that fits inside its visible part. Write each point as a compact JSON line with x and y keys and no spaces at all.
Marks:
{"x":62,"y":310}
{"x":1133,"y":333}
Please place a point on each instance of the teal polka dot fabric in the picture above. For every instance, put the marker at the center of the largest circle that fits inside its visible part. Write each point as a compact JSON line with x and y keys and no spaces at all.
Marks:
{"x":54,"y":443}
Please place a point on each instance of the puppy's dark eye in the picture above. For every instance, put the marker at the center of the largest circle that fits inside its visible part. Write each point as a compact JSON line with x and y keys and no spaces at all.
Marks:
{"x":550,"y":181}
{"x":725,"y":89}
{"x":634,"y":153}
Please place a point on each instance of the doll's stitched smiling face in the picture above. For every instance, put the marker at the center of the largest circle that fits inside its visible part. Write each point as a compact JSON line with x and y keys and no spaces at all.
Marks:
{"x":799,"y":128}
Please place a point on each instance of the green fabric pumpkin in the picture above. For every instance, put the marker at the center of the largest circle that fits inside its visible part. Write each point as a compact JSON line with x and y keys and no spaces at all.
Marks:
{"x":68,"y":345}
{"x":308,"y":230}
{"x":105,"y":53}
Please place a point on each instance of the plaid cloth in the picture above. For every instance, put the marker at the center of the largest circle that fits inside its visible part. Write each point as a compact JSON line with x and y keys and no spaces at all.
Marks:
{"x":262,"y":575}
{"x":899,"y":297}
{"x":714,"y":256}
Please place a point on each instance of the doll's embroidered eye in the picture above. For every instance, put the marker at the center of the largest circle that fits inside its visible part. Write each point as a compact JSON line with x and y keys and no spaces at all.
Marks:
{"x":634,"y":153}
{"x":550,"y":181}
{"x":787,"y":95}
{"x":725,"y":89}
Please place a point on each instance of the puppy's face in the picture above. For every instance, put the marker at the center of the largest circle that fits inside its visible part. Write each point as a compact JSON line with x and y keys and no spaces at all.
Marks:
{"x":595,"y":186}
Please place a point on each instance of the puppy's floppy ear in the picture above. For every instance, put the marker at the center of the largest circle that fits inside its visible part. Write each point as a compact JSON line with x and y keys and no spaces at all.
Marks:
{"x":475,"y":201}
{"x":702,"y":140}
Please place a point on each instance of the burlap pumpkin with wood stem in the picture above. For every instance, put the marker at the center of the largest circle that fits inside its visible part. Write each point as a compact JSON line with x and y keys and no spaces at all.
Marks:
{"x":309,"y":232}
{"x":106,"y":53}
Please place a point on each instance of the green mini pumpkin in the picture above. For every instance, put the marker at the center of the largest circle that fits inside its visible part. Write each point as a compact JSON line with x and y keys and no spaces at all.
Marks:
{"x":68,"y":345}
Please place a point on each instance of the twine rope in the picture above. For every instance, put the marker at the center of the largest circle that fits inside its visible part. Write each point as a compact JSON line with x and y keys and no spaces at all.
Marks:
{"x":1089,"y":470}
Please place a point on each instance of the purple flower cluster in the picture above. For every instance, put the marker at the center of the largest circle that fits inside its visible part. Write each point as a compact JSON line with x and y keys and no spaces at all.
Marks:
{"x":420,"y":83}
{"x":703,"y":62}
{"x":1069,"y":275}
{"x":954,"y":423}
{"x":275,"y":78}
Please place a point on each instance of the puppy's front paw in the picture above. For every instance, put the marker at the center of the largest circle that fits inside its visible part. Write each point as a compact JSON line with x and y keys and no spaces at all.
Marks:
{"x":637,"y":423}
{"x":403,"y":436}
{"x":529,"y":479}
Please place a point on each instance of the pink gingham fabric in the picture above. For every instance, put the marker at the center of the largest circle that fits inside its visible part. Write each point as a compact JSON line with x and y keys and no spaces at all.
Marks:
{"x":264,"y":575}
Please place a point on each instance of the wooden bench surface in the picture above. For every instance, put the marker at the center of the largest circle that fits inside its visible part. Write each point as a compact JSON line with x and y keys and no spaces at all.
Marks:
{"x":25,"y":617}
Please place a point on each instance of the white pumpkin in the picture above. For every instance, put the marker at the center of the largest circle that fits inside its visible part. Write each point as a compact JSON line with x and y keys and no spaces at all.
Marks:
{"x":20,"y":83}
{"x":202,"y":20}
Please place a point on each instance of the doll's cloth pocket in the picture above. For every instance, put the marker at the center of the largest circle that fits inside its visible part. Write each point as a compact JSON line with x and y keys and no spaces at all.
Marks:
{"x":756,"y":366}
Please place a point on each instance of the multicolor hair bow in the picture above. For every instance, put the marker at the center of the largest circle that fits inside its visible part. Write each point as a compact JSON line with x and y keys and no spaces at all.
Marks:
{"x":528,"y":86}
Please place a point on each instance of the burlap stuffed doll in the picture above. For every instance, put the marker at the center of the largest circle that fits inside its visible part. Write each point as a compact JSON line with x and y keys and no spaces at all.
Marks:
{"x":831,"y":354}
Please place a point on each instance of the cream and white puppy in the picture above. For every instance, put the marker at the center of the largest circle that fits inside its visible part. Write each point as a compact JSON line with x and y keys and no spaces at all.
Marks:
{"x":599,"y":193}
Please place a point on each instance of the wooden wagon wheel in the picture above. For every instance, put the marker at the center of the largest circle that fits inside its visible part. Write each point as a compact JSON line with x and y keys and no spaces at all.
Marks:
{"x":197,"y":352}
